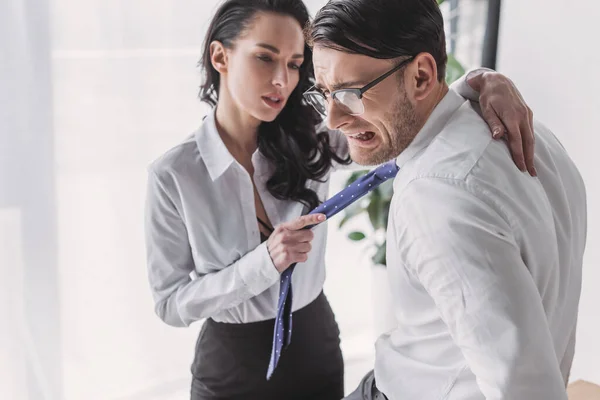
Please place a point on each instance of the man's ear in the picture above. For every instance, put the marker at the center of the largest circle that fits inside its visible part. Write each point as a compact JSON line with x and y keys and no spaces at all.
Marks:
{"x":423,"y":76}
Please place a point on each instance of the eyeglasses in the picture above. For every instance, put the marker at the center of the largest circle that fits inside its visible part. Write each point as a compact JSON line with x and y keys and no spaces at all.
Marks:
{"x":349,"y":100}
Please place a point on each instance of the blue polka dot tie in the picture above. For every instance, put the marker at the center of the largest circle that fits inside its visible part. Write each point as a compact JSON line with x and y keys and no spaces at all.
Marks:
{"x":282,"y":332}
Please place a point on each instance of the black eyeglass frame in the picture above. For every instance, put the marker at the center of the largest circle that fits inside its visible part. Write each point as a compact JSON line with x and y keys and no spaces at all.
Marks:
{"x":359,"y":92}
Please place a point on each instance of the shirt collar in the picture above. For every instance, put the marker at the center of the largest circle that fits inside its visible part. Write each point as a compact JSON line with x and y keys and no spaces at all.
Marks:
{"x":439,"y":117}
{"x":212,"y":150}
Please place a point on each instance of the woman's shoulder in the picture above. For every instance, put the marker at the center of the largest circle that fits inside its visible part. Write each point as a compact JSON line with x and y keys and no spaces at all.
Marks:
{"x":176,"y":159}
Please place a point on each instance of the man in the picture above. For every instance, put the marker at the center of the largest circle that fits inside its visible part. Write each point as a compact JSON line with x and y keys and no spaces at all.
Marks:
{"x":484,"y":261}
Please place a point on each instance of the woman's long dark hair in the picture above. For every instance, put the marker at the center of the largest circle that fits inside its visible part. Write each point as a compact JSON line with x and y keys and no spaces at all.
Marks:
{"x":291,"y":141}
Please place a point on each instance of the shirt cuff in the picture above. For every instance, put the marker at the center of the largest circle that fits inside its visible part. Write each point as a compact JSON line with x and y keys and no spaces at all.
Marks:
{"x":258,"y":273}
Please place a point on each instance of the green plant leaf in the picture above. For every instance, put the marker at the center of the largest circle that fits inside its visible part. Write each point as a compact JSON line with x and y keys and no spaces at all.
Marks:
{"x":378,"y":209}
{"x":440,"y":2}
{"x":374,"y":209}
{"x":454,"y":69}
{"x":387,"y":189}
{"x":379,"y":257}
{"x":356,"y":236}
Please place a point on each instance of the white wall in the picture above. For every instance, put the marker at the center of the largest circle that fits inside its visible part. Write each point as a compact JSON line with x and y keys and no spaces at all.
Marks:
{"x":550,"y":49}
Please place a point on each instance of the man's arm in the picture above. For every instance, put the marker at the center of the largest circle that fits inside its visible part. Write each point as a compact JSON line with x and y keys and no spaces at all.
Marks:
{"x":462,"y":250}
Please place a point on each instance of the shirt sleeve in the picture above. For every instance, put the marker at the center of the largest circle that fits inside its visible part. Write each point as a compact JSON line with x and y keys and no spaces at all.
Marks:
{"x":460,"y":247}
{"x":179,"y":298}
{"x":464,"y":89}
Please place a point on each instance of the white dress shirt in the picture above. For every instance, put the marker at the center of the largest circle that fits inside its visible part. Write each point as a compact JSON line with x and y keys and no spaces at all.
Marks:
{"x":204,"y":254}
{"x":484,"y":263}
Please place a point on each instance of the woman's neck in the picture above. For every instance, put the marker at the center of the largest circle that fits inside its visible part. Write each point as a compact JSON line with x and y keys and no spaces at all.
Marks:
{"x":238,"y":129}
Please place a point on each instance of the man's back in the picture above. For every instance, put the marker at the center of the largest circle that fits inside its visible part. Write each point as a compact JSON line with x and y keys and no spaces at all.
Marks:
{"x":484,"y":264}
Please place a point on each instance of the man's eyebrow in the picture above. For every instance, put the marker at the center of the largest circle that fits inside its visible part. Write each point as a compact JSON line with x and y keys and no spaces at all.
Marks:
{"x":343,"y":85}
{"x":276,"y":50}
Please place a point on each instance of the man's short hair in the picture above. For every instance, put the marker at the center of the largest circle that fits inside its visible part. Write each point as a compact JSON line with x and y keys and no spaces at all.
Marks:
{"x":384,"y":29}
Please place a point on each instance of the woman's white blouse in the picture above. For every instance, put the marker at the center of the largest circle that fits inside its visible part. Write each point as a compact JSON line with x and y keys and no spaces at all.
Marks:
{"x":204,"y":254}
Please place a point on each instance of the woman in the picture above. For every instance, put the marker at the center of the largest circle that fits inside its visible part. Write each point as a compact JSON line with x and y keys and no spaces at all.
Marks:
{"x":257,"y":162}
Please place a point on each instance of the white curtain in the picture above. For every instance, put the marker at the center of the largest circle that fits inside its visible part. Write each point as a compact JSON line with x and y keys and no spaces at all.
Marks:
{"x":90,"y":92}
{"x":30,"y":340}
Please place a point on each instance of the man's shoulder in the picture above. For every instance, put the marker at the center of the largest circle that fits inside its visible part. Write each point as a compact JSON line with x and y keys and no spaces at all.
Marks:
{"x":455,"y":150}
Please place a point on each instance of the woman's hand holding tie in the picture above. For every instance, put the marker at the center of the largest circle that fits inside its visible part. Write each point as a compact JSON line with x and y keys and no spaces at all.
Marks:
{"x":290,"y":242}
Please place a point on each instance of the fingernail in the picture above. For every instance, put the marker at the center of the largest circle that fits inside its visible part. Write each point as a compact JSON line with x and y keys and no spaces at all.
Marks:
{"x":321,"y":217}
{"x":534,"y":171}
{"x":496,"y":133}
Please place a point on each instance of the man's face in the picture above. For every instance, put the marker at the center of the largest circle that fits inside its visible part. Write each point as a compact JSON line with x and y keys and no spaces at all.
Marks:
{"x":389,"y":122}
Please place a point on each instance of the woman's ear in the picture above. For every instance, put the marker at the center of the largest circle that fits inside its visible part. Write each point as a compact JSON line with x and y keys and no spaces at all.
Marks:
{"x":218,"y":56}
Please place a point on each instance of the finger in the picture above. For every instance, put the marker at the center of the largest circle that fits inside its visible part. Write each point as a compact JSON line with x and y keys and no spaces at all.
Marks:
{"x":303,"y":221}
{"x":301,"y":257}
{"x":515,"y":143}
{"x":533,"y":135}
{"x":528,"y":147}
{"x":301,"y":248}
{"x":299,"y":236}
{"x":494,"y":122}
{"x":295,"y":257}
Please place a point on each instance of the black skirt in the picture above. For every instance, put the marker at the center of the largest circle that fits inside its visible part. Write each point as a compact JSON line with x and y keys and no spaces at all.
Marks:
{"x":231,"y":360}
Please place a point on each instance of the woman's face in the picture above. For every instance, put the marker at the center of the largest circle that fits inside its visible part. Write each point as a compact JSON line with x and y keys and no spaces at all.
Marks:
{"x":263,"y":67}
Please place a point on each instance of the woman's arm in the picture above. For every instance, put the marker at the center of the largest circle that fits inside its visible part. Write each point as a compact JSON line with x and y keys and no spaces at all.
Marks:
{"x":180,"y":297}
{"x":504,"y":110}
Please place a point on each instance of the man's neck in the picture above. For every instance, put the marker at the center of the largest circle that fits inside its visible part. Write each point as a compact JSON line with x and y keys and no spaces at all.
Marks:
{"x":426,"y":107}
